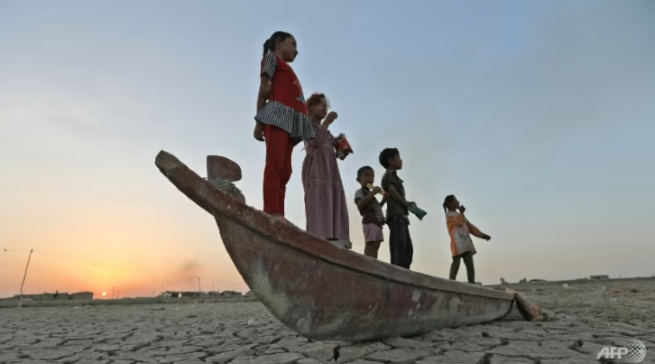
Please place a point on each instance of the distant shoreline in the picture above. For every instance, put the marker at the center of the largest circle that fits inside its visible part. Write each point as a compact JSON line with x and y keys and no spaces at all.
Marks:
{"x":572,"y":281}
{"x":12,"y":303}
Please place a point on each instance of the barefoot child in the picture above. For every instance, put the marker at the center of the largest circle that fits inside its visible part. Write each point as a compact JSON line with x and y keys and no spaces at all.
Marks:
{"x":400,"y":242}
{"x":325,"y":199}
{"x":282,"y":120}
{"x":371,"y":211}
{"x":461,"y":244}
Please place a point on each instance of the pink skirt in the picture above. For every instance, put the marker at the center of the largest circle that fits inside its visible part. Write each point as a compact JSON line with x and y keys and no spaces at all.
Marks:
{"x":372,"y":233}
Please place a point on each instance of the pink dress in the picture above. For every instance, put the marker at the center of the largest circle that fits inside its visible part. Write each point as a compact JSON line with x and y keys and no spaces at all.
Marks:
{"x":325,"y":199}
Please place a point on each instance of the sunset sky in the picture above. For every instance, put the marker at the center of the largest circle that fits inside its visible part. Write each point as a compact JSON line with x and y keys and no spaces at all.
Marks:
{"x":538,"y":116}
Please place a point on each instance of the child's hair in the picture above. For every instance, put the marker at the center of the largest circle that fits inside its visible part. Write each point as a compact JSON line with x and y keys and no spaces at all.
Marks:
{"x":386,"y":154}
{"x":316,"y":98}
{"x":269,"y":45}
{"x":447,"y":202}
{"x":362,"y":170}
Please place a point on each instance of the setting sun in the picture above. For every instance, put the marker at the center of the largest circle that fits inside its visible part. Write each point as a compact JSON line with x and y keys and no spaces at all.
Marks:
{"x":104,"y":294}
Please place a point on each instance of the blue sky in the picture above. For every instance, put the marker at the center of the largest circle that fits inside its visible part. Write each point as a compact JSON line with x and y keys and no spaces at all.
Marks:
{"x":537,"y":115}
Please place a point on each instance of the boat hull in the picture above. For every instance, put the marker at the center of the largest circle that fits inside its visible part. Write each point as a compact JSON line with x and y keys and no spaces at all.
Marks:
{"x":319,"y":300}
{"x":322,"y":291}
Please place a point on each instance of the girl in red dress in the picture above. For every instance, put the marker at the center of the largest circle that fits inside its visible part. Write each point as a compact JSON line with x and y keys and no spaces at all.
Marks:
{"x":282,"y":120}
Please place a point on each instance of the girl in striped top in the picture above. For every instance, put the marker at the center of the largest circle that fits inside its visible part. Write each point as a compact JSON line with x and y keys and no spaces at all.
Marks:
{"x":282,"y":120}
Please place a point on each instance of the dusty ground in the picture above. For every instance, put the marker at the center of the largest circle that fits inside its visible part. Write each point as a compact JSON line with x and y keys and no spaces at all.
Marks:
{"x":586,"y":318}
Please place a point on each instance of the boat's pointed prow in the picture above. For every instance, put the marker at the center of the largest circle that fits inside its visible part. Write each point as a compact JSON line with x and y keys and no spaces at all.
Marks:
{"x":166,"y":162}
{"x":186,"y":180}
{"x":198,"y":189}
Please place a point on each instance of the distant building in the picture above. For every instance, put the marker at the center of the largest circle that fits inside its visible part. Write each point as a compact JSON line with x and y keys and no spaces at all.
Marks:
{"x":171,"y":294}
{"x":230,"y":293}
{"x":82,"y":296}
{"x":55,"y":296}
{"x":192,"y":294}
{"x":58,"y":296}
{"x":175,"y":294}
{"x":599,"y":277}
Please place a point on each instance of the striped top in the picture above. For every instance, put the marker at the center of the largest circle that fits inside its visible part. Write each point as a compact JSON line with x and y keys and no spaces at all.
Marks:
{"x":286,"y":107}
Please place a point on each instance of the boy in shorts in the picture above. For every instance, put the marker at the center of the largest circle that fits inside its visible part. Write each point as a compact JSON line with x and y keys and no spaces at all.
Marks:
{"x":371,"y":211}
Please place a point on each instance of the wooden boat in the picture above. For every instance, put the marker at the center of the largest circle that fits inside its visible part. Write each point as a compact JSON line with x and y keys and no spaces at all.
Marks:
{"x":318,"y":289}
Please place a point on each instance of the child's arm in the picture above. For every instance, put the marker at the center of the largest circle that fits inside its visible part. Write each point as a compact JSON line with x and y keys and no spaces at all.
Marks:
{"x":269,"y":66}
{"x":363,"y":202}
{"x":264,"y":91}
{"x":393,"y":193}
{"x":476,"y":232}
{"x":384,"y":201}
{"x":329,"y":119}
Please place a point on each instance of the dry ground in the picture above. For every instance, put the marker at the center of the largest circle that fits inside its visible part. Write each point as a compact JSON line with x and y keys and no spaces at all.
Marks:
{"x":587,"y":316}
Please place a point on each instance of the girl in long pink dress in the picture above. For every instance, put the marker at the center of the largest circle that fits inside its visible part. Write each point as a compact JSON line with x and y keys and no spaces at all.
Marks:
{"x":325,"y":199}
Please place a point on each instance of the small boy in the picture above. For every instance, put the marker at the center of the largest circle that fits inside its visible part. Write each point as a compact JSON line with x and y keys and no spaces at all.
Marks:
{"x":371,"y":211}
{"x":400,"y":242}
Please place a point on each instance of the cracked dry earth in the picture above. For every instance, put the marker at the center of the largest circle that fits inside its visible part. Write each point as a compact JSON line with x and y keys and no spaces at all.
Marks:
{"x":586,"y":318}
